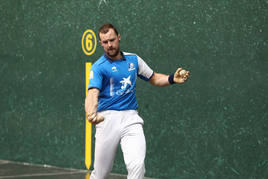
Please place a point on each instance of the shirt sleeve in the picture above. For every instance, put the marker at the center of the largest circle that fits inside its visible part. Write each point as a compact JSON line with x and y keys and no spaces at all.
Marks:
{"x":95,"y":78}
{"x":144,"y":72}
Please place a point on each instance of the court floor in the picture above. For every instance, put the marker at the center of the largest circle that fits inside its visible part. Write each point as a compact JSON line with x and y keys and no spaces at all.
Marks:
{"x":17,"y":170}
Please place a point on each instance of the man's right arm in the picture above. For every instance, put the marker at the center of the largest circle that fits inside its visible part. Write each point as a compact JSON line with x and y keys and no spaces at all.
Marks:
{"x":91,"y":105}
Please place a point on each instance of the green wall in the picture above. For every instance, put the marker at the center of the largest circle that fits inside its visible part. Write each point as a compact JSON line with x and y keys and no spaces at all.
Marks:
{"x":215,"y":126}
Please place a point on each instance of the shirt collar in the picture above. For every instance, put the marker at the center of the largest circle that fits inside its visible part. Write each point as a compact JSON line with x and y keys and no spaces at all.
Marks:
{"x":111,"y":61}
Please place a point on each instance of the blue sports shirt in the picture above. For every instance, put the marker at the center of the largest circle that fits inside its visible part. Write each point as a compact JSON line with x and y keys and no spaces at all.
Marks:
{"x":116,"y":81}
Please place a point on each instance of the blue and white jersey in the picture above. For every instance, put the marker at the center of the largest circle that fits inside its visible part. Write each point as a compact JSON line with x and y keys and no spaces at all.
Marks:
{"x":116,"y":81}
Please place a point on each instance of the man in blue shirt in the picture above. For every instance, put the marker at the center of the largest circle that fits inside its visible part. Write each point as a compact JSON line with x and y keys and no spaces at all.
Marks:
{"x":111,"y":104}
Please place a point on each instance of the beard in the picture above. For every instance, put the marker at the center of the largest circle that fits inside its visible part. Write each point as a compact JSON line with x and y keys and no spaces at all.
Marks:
{"x":113,"y":52}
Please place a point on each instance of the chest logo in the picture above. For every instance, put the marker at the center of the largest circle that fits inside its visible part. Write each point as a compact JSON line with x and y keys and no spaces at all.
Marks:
{"x":125,"y":82}
{"x":114,"y":69}
{"x":126,"y":86}
{"x":131,"y":67}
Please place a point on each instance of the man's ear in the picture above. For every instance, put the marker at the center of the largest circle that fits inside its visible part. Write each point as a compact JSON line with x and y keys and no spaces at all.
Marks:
{"x":119,"y":37}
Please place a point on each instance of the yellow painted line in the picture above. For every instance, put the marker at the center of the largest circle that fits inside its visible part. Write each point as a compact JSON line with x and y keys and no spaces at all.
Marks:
{"x":87,"y":176}
{"x":88,"y":130}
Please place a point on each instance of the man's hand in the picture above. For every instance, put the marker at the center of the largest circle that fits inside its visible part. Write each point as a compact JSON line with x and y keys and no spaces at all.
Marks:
{"x":91,"y":105}
{"x":181,"y":75}
{"x":95,"y":118}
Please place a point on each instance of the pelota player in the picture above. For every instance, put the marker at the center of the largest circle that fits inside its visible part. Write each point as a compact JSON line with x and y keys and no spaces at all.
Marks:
{"x":111,"y":105}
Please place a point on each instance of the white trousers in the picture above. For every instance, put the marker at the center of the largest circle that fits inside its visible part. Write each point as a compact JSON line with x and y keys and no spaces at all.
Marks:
{"x":124,"y":128}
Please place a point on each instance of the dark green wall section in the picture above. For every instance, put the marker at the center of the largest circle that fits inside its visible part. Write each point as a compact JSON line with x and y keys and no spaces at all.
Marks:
{"x":215,"y":126}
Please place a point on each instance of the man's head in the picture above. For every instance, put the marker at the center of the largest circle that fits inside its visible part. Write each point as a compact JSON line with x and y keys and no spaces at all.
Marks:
{"x":109,"y":40}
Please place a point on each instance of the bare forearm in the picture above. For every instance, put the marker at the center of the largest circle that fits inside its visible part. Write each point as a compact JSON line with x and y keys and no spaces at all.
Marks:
{"x":159,"y":79}
{"x":91,"y":101}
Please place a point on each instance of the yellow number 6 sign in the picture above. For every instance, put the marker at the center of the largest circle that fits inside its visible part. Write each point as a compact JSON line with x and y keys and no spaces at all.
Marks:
{"x":89,"y":42}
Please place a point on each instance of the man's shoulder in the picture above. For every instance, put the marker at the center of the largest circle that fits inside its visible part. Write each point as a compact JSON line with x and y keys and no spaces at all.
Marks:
{"x":128,"y":54}
{"x":131,"y":56}
{"x":101,"y":61}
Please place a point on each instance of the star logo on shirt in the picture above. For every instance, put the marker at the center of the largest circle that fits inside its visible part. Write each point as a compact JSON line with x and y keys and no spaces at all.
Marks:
{"x":125,"y":82}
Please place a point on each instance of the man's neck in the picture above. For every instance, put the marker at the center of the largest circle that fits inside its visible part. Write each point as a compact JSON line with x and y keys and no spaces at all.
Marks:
{"x":117,"y":57}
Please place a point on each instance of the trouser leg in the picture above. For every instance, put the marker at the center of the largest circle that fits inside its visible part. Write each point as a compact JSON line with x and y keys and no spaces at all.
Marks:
{"x":106,"y":141}
{"x":134,"y":148}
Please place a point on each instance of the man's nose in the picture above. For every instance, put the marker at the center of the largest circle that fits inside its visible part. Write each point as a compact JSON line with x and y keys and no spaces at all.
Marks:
{"x":109,"y":44}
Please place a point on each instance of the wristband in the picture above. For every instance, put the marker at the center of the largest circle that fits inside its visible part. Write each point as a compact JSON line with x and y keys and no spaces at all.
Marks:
{"x":171,"y":79}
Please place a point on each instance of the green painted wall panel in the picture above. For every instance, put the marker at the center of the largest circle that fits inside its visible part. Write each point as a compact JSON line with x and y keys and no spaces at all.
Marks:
{"x":215,"y":126}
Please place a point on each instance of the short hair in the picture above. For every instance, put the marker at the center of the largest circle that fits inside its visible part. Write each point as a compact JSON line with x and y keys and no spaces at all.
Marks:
{"x":105,"y":28}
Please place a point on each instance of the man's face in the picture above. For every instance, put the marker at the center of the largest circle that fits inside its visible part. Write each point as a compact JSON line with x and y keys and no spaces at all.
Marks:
{"x":110,"y":43}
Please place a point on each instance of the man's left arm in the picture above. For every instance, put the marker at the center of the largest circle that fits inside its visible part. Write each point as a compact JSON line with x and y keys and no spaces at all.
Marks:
{"x":180,"y":76}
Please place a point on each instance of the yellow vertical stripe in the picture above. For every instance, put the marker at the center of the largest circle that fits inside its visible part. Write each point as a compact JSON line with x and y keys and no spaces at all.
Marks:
{"x":88,"y":125}
{"x":87,"y":176}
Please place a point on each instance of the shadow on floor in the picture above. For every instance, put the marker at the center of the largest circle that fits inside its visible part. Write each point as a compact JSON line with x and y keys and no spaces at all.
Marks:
{"x":15,"y":170}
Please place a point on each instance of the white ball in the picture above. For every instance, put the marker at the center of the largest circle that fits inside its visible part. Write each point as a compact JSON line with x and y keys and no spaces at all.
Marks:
{"x":182,"y":72}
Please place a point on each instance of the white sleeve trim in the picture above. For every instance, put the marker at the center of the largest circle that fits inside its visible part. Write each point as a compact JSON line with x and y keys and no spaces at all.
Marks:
{"x":144,"y":69}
